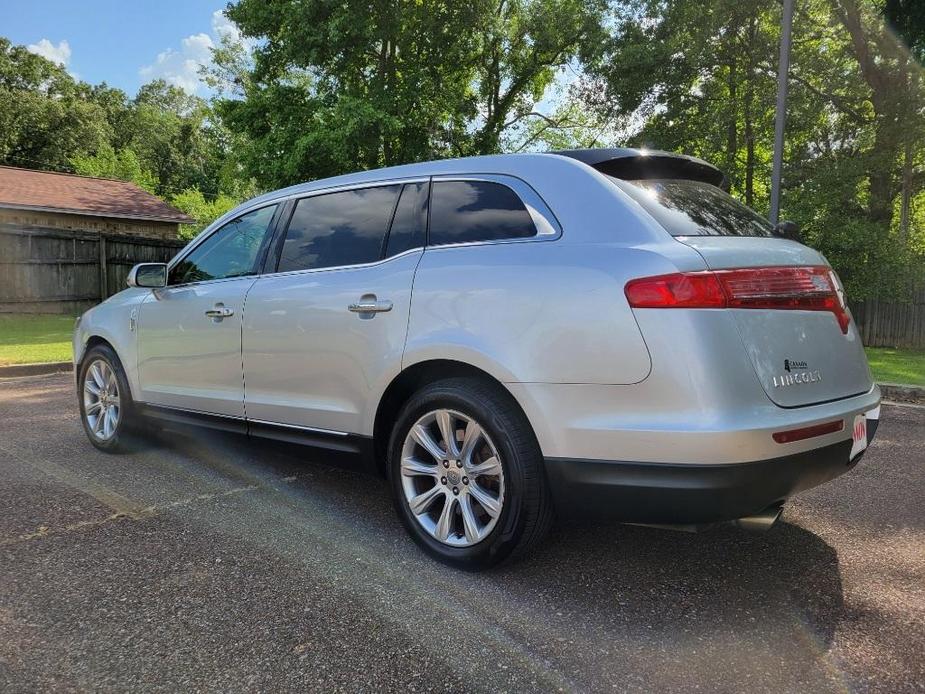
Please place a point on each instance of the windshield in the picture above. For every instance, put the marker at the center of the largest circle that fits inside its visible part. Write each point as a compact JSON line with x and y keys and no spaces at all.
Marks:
{"x":694,"y":208}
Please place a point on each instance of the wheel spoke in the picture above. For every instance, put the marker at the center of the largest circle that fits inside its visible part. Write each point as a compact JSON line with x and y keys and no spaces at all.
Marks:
{"x":470,"y":524}
{"x":98,"y":423}
{"x":491,"y":505}
{"x":470,"y":440}
{"x":448,"y":432}
{"x":427,"y":442}
{"x":422,"y":501}
{"x":97,"y":375}
{"x":490,"y":467}
{"x":109,"y":423}
{"x":410,"y":466}
{"x":445,"y":524}
{"x":91,"y":387}
{"x":92,"y":408}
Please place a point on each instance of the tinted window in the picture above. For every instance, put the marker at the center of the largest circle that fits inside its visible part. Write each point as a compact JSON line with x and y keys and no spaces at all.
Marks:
{"x":410,"y":220}
{"x":463,"y":211}
{"x":345,"y":228}
{"x":692,"y":208}
{"x":232,"y":251}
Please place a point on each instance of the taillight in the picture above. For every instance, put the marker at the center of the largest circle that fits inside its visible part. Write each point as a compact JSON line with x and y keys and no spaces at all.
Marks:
{"x":795,"y":288}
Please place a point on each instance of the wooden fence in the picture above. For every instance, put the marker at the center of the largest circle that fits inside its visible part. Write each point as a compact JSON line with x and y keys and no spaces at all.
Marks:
{"x":54,"y":271}
{"x":892,"y":324}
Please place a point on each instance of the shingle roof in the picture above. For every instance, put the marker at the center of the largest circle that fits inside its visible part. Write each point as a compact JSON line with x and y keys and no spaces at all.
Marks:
{"x":58,"y":192}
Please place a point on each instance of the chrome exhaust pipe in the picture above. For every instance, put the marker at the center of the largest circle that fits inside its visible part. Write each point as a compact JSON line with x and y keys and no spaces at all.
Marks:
{"x":761,"y":521}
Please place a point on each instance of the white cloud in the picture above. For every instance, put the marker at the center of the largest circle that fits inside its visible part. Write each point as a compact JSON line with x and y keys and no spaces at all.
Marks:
{"x":60,"y":54}
{"x":180,"y":66}
{"x":222,"y":26}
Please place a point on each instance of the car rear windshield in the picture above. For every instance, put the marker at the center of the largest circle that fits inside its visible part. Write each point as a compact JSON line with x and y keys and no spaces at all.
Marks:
{"x":694,"y":208}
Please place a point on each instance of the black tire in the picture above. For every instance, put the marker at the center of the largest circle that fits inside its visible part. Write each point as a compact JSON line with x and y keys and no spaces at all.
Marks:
{"x":126,"y":428}
{"x":527,"y":512}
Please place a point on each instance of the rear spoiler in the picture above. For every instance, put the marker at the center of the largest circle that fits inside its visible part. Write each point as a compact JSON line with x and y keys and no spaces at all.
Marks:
{"x":636,"y":164}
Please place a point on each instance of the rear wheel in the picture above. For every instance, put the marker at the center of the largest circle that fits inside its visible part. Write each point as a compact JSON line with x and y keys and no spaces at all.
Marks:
{"x":467,"y":474}
{"x":105,"y":399}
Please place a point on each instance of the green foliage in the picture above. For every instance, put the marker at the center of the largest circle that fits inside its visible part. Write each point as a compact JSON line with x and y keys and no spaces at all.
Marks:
{"x":108,"y":163}
{"x":204,"y":211}
{"x":339,"y":86}
{"x":700,"y":77}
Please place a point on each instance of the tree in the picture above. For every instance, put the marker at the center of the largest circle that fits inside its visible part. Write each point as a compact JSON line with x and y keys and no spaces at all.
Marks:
{"x":109,"y":163}
{"x":699,"y":77}
{"x":204,"y":211}
{"x":335,"y":86}
{"x":43,"y":118}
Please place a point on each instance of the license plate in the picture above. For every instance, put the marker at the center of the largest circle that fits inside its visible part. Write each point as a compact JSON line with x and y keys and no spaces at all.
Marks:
{"x":858,"y":435}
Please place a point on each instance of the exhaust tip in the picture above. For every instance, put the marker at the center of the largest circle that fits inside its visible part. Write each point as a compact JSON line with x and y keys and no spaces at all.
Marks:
{"x":760,"y":522}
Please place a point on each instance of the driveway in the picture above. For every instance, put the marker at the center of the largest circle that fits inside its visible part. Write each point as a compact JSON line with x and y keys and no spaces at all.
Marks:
{"x":208,"y":563}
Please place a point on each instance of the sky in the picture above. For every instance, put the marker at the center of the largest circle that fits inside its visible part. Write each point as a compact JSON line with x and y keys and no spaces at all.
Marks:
{"x":124,"y":44}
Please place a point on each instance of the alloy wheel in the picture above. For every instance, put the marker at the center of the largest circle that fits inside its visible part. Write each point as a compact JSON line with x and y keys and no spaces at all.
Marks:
{"x":452,"y":478}
{"x":102,"y":406}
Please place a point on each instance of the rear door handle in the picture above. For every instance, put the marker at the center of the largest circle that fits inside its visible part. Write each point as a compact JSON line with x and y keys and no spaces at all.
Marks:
{"x":368,"y":303}
{"x":220,"y":311}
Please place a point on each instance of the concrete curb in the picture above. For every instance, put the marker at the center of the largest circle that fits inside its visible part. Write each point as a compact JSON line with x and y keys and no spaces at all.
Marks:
{"x":17,"y":370}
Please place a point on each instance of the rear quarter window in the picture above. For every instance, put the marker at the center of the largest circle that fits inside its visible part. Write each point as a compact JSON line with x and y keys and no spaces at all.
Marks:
{"x":468,"y":211}
{"x":694,"y":208}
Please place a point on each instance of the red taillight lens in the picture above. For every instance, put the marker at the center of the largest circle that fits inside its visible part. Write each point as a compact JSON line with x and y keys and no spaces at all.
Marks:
{"x":680,"y":290}
{"x":795,"y":288}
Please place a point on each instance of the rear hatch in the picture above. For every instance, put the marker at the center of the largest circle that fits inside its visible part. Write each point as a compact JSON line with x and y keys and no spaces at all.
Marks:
{"x":788,"y":304}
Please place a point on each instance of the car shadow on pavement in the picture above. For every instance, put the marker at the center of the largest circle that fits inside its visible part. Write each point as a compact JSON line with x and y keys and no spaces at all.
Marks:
{"x":720,"y":574}
{"x":725,"y":592}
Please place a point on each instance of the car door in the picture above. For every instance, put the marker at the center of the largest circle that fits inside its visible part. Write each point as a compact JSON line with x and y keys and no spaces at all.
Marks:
{"x":328,"y":328}
{"x":189,"y":332}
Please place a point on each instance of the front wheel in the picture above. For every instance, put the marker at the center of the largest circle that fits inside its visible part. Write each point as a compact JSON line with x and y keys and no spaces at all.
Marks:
{"x":104,"y":399}
{"x":467,"y":474}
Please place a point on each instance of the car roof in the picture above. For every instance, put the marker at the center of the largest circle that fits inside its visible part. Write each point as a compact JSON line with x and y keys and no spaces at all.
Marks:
{"x":619,"y":162}
{"x":627,"y":163}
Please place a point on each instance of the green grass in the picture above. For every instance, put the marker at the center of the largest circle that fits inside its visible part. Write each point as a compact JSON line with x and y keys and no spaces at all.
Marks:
{"x":29,"y":339}
{"x":897,"y":365}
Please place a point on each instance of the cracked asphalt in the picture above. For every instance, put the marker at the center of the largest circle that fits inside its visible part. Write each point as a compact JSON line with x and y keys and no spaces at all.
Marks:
{"x":207,"y":563}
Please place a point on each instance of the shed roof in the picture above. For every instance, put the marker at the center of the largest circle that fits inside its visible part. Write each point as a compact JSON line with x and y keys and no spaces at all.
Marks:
{"x":50,"y":191}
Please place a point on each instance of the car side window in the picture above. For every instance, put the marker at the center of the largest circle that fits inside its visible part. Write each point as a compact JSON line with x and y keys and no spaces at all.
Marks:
{"x":232,"y":251}
{"x":466,"y":211}
{"x":410,"y":220}
{"x":334,"y":229}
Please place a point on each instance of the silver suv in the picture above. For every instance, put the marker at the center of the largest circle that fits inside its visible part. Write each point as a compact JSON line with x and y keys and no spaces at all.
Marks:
{"x":502,"y":337}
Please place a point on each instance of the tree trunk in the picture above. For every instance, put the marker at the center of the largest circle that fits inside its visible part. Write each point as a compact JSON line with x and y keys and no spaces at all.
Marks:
{"x":905,"y":205}
{"x":732,"y":126}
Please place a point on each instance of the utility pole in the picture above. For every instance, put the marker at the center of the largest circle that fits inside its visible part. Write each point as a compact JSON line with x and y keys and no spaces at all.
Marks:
{"x":783,"y":69}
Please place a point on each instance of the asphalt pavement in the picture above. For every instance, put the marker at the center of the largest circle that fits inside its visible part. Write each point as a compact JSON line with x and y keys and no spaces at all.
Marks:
{"x":203,"y":562}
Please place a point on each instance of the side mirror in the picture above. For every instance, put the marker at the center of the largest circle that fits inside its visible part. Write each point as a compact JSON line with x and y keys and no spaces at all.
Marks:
{"x":788,"y":230}
{"x":148,"y":275}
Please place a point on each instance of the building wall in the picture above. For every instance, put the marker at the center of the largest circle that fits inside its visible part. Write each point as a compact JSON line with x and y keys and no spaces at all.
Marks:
{"x":108,"y":225}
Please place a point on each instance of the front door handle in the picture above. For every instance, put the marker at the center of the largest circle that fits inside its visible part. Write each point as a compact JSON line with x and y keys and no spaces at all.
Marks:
{"x":220,"y":311}
{"x":368,"y":303}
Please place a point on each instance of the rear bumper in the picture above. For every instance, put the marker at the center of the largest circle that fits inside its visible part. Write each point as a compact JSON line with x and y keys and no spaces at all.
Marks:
{"x":690,"y":493}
